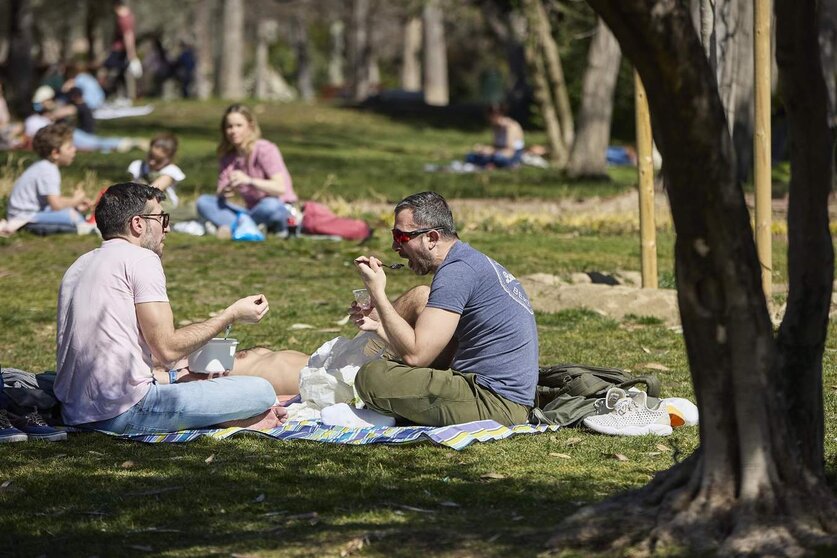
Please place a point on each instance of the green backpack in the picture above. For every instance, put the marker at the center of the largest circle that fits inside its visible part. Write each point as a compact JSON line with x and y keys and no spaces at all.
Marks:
{"x":566,"y":393}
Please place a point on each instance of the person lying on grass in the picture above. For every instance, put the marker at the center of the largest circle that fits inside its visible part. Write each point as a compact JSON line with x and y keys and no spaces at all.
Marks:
{"x":114,"y":319}
{"x":473,"y":351}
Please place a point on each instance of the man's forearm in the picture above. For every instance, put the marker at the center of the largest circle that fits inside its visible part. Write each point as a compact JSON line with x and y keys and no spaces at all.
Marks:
{"x":191,"y":337}
{"x":395,"y":330}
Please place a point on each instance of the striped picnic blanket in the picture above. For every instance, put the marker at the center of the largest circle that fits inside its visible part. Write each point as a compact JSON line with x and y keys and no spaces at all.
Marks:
{"x":457,"y":436}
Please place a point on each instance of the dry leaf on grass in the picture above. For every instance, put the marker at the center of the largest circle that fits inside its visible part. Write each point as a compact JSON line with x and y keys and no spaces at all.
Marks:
{"x":646,"y":350}
{"x":343,"y":321}
{"x":655,"y":366}
{"x":561,"y":455}
{"x":260,"y":498}
{"x":654,"y":453}
{"x":492,"y":476}
{"x":663,"y":447}
{"x":620,"y":457}
{"x":301,"y":326}
{"x":127,"y":464}
{"x":573,"y":441}
{"x":449,"y":504}
{"x":209,"y":459}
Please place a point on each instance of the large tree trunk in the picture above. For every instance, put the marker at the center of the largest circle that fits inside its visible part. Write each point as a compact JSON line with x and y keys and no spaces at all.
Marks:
{"x":588,"y":157}
{"x":231,"y":84}
{"x":19,"y":68}
{"x":733,"y":41}
{"x":410,"y":58}
{"x":756,"y":484}
{"x":435,"y":55}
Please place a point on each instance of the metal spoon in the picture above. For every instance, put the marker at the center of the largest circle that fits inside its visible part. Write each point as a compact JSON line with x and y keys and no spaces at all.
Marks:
{"x":227,"y":331}
{"x":394,"y":266}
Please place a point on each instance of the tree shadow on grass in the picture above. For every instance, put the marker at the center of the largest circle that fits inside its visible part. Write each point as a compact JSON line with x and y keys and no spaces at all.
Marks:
{"x":256,"y":495}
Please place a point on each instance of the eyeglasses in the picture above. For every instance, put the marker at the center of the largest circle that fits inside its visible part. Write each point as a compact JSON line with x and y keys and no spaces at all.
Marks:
{"x":164,"y":217}
{"x":403,"y":237}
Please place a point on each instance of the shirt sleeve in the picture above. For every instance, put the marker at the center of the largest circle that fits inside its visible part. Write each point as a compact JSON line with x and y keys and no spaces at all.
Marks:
{"x":135,"y":169}
{"x":48,"y":183}
{"x":270,"y":159}
{"x":174,"y":172}
{"x":452,"y":287}
{"x":149,"y":280}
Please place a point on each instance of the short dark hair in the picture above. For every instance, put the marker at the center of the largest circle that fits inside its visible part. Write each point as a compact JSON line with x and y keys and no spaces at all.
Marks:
{"x":51,"y":137}
{"x":120,"y":203}
{"x":430,"y":210}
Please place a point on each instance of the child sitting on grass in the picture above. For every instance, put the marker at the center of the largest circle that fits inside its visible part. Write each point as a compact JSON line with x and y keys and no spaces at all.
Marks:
{"x":36,"y":202}
{"x":157,"y":169}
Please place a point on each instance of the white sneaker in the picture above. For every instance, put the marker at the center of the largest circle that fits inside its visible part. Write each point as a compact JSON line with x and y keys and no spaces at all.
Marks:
{"x":629,"y":416}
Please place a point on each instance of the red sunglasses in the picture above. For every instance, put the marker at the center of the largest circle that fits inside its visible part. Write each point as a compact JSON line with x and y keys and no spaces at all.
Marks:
{"x":403,"y":237}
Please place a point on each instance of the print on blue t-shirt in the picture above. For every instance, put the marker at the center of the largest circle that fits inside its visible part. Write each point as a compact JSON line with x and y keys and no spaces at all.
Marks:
{"x":496,"y":335}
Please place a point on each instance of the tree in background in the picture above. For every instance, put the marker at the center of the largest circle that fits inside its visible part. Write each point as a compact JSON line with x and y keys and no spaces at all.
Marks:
{"x":19,"y":66}
{"x":588,"y":157}
{"x":435,"y":55}
{"x":756,"y":485}
{"x":231,"y":79}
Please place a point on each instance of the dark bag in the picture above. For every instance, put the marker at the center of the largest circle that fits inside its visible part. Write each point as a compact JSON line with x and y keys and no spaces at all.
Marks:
{"x":567,"y":393}
{"x":24,"y":391}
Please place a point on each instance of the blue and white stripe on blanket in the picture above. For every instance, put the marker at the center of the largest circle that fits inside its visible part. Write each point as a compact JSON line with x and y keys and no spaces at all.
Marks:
{"x":457,"y":436}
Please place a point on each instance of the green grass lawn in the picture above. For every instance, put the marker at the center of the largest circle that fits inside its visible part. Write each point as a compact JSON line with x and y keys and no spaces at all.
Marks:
{"x":95,"y":496}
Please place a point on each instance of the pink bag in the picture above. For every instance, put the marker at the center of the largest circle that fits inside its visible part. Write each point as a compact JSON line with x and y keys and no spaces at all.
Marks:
{"x":318,"y":219}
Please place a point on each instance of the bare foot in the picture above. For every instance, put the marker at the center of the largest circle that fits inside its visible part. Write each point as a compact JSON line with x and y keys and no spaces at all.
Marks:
{"x":272,"y":418}
{"x":224,"y":232}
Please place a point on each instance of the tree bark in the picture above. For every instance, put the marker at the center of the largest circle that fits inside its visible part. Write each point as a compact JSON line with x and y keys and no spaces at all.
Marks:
{"x":410,"y":58}
{"x":304,"y":77}
{"x":205,"y":71}
{"x":588,"y":157}
{"x":801,"y":338}
{"x":361,"y":50}
{"x":266,"y":35}
{"x":435,"y":56}
{"x":557,"y":149}
{"x":756,"y":484}
{"x":336,"y":54}
{"x":19,"y":63}
{"x":231,"y":84}
{"x":555,"y":71}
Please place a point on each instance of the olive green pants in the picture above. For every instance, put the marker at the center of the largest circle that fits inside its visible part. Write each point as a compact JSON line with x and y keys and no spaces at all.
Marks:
{"x":432,"y":397}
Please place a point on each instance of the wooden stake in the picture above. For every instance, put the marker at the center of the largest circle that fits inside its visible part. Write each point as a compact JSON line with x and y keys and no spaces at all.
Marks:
{"x":761,"y":143}
{"x":645,"y":169}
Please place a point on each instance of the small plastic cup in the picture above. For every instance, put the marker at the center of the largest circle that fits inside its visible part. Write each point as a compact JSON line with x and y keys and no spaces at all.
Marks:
{"x":362,"y":298}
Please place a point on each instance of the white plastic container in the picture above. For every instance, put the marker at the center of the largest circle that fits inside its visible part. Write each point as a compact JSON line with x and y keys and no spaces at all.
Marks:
{"x":216,"y":356}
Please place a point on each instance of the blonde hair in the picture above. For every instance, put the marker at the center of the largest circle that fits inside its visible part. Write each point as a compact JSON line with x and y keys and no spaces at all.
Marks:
{"x":225,"y":147}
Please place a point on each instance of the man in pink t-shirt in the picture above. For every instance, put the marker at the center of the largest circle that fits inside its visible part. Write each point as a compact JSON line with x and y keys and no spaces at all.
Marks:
{"x":115,"y":321}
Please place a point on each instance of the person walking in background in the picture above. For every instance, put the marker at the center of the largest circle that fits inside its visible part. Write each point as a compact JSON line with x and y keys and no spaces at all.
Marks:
{"x":253,"y":169}
{"x":123,"y":52}
{"x":36,"y":201}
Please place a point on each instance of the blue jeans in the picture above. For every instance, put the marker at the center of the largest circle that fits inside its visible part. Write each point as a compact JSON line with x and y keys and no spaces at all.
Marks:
{"x":496,"y":159}
{"x":270,"y":210}
{"x":68,"y":216}
{"x":89,"y":142}
{"x":198,"y":404}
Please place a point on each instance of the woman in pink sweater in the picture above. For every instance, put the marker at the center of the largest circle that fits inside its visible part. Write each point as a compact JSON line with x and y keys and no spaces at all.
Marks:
{"x":253,"y":169}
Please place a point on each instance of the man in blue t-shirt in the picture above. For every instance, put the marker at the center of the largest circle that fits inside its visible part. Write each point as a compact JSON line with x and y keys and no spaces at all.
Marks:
{"x":471,"y":351}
